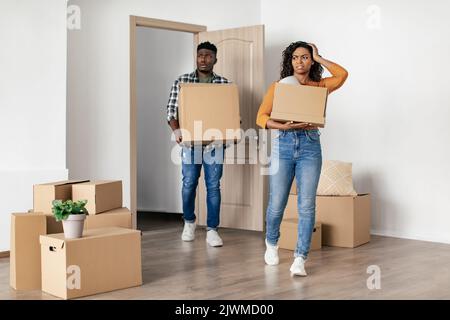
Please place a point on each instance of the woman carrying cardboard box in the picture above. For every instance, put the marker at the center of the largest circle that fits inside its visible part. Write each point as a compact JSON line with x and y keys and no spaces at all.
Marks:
{"x":296,"y":152}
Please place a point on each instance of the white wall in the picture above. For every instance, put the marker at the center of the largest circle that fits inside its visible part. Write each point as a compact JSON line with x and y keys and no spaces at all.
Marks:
{"x":159,"y":179}
{"x":99,"y":74}
{"x":391,"y":117}
{"x":33,"y":38}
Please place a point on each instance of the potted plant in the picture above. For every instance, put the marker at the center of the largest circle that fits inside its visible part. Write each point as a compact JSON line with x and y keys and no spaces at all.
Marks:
{"x":72,"y":215}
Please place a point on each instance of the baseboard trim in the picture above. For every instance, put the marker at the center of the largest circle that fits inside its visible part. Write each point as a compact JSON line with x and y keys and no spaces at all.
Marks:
{"x":4,"y":254}
{"x":394,"y":234}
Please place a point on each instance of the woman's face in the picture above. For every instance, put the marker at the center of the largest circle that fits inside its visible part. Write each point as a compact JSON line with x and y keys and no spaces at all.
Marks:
{"x":301,"y":61}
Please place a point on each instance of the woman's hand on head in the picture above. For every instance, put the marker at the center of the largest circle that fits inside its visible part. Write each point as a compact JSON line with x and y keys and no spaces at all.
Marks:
{"x":315,"y":51}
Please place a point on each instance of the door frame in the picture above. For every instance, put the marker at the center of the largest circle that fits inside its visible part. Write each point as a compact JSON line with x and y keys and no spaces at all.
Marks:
{"x":137,"y":21}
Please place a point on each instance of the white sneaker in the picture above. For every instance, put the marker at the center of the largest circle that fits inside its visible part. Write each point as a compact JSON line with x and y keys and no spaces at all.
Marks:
{"x":271,"y":255}
{"x":298,"y":267}
{"x":213,"y":239}
{"x":188,"y":231}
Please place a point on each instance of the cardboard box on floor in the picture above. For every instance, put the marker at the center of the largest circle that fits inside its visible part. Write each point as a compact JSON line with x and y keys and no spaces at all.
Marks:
{"x":101,"y":195}
{"x":25,"y":252}
{"x":289,"y":234}
{"x":215,"y":108}
{"x":345,"y":220}
{"x":300,"y":104}
{"x":102,"y":260}
{"x":44,"y":194}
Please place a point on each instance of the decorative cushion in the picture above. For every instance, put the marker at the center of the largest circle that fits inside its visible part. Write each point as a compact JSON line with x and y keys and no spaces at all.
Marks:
{"x":336,"y":179}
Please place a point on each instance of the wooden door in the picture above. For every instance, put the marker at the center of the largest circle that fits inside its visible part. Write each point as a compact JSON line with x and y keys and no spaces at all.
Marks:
{"x":243,"y":188}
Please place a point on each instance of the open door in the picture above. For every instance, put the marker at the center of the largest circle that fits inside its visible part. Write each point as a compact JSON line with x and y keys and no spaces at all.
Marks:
{"x":243,"y":188}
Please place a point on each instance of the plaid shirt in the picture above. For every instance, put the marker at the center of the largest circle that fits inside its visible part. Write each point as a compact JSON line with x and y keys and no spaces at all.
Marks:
{"x":172,"y":105}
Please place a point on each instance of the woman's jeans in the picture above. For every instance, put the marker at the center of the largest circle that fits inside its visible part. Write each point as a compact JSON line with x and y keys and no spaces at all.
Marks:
{"x":192,"y":161}
{"x":294,"y":153}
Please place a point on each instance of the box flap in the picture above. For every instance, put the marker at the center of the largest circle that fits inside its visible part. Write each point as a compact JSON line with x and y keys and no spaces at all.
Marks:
{"x":99,"y":182}
{"x":54,"y":240}
{"x":118,"y":210}
{"x":57,"y":240}
{"x":103,"y":232}
{"x":197,"y":84}
{"x":25,"y":214}
{"x":60,"y":183}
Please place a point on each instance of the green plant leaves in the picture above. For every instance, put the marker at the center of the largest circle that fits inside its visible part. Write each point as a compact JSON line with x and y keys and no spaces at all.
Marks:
{"x":61,"y":210}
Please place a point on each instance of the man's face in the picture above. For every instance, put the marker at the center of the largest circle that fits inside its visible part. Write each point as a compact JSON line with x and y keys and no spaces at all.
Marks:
{"x":206,"y":59}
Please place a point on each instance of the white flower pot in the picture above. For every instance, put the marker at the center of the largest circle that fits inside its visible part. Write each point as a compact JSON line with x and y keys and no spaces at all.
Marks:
{"x":73,"y":226}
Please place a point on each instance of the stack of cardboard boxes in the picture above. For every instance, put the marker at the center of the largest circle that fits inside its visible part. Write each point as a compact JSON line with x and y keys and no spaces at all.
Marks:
{"x":344,"y":220}
{"x":106,"y":258}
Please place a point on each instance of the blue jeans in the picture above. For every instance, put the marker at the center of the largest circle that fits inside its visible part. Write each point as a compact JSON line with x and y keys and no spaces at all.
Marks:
{"x":192,"y":161}
{"x":294,"y":153}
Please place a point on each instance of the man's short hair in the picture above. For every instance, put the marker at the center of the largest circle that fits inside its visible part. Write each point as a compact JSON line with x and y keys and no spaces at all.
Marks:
{"x":207,"y":45}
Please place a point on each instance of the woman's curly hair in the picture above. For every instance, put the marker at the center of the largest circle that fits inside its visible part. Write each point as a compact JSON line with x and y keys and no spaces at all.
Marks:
{"x":315,"y":73}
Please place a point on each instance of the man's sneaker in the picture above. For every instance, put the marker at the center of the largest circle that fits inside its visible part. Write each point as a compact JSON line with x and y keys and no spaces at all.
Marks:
{"x":298,"y":267}
{"x":188,"y":231}
{"x":271,"y":255}
{"x":213,"y":239}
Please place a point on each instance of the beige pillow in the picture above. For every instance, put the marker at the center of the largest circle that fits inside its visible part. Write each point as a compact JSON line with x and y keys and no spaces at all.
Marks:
{"x":336,"y":179}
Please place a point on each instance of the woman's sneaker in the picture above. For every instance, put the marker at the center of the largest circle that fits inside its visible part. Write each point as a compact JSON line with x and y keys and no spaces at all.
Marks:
{"x":213,"y":239}
{"x":298,"y":267}
{"x":271,"y":255}
{"x":188,"y":231}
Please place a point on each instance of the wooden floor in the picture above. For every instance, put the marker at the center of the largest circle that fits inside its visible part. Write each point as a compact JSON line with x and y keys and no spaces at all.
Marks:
{"x":173,"y":269}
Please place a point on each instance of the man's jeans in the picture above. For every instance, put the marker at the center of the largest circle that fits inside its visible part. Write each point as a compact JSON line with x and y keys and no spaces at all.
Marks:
{"x":192,"y":161}
{"x":294,"y":153}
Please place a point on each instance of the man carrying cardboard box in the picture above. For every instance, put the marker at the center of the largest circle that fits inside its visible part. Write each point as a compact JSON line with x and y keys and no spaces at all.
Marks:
{"x":211,"y":157}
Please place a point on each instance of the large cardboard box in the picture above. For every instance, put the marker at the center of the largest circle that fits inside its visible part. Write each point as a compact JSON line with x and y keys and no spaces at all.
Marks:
{"x":103,"y":260}
{"x":345,"y":220}
{"x":209,"y":112}
{"x":101,"y":195}
{"x":289,"y":235}
{"x":25,"y":251}
{"x":300,"y":104}
{"x":44,"y":194}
